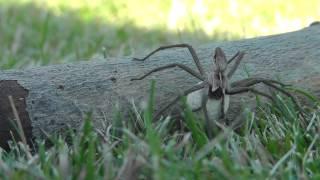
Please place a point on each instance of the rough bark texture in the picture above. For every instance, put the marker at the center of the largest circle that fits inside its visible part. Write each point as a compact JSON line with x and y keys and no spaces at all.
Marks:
{"x":52,"y":97}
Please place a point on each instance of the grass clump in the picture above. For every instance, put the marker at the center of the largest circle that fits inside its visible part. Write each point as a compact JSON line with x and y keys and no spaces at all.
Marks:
{"x":272,"y":143}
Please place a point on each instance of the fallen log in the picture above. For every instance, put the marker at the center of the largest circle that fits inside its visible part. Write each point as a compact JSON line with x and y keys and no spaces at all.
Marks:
{"x":54,"y":97}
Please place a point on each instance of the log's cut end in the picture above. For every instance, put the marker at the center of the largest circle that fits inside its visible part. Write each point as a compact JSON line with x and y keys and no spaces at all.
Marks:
{"x":8,"y":125}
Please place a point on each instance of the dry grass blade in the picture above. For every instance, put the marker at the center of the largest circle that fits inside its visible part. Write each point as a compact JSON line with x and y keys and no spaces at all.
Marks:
{"x":17,"y":118}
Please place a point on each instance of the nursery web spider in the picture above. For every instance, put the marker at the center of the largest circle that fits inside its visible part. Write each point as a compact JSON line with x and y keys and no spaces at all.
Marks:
{"x":213,"y":92}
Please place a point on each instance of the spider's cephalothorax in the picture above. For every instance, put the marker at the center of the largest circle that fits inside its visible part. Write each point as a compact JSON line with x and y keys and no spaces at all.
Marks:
{"x":212,"y":93}
{"x":217,"y":78}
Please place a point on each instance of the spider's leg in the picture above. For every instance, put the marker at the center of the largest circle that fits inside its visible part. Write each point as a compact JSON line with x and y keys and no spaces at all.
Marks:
{"x":268,"y":82}
{"x":222,"y":107}
{"x":208,"y":123}
{"x":190,"y":48}
{"x":293,"y":98}
{"x":252,"y":81}
{"x":238,"y":90}
{"x":238,"y":57}
{"x":234,"y":56}
{"x":175,"y":100}
{"x":223,"y":115}
{"x":183,"y":67}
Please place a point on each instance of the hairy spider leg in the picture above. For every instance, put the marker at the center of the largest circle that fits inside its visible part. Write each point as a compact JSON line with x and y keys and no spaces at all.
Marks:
{"x":238,"y":57}
{"x":183,"y":67}
{"x":238,"y":90}
{"x":175,"y":100}
{"x":267,"y":82}
{"x":271,"y":83}
{"x":190,"y":48}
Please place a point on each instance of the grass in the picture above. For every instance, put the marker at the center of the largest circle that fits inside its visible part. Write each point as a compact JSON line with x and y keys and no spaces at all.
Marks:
{"x":273,"y":143}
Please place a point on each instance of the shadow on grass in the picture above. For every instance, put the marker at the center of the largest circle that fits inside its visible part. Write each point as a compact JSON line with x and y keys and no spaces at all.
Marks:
{"x":31,"y":35}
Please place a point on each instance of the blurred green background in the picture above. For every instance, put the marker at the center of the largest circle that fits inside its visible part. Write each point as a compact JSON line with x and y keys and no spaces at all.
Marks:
{"x":39,"y":32}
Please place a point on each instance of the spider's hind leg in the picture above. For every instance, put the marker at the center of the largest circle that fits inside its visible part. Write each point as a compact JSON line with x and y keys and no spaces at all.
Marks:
{"x":271,"y":83}
{"x":238,"y":90}
{"x":268,"y":82}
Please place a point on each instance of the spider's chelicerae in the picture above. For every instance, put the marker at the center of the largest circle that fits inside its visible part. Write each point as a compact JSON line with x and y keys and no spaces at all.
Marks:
{"x":212,"y":93}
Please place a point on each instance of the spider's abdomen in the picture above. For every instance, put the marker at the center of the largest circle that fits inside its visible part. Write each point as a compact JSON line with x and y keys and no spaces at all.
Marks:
{"x":214,"y":107}
{"x":194,"y":100}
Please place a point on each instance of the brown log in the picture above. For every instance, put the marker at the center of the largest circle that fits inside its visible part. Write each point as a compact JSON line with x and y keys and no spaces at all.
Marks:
{"x":53,"y":97}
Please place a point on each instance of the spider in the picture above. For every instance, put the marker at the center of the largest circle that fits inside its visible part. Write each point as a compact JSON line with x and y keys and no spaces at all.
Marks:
{"x":214,"y":89}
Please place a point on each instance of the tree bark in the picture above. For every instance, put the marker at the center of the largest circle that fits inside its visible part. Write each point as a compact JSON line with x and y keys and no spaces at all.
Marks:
{"x":53,"y":97}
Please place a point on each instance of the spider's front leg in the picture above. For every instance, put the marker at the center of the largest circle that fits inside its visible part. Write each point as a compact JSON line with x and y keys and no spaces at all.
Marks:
{"x":237,"y":57}
{"x":181,"y":66}
{"x":190,"y":48}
